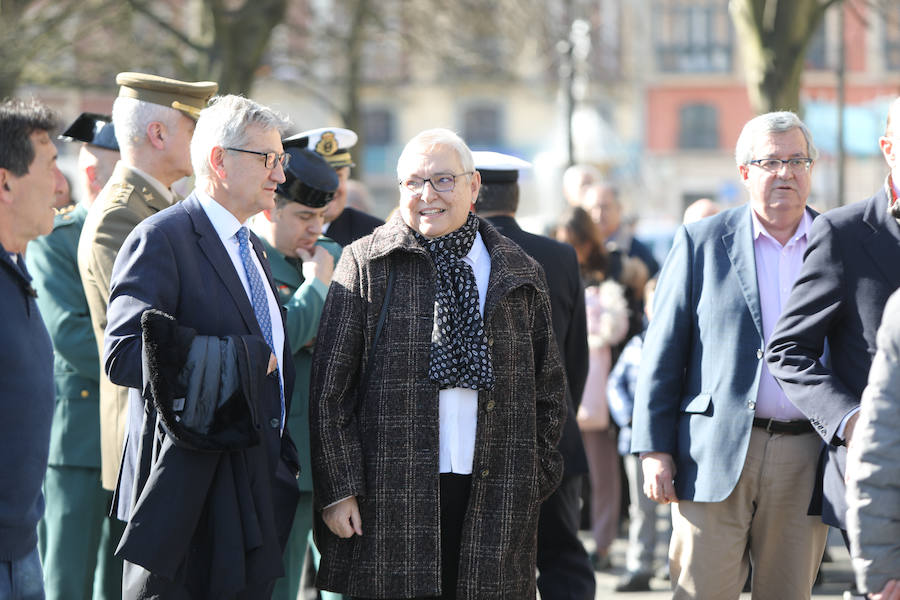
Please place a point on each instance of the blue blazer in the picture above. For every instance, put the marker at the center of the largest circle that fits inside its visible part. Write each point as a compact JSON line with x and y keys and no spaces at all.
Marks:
{"x":702,"y":357}
{"x":175,"y":262}
{"x":849,"y":272}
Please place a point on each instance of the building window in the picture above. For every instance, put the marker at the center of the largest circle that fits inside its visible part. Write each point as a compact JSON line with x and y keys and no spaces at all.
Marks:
{"x":482,"y":126}
{"x":693,"y":36}
{"x":892,"y":39}
{"x":378,"y":127}
{"x":816,"y":57}
{"x":698,"y":127}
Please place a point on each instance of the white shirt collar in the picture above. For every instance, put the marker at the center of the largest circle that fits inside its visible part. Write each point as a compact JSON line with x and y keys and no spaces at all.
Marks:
{"x":760,"y":230}
{"x":225,"y":223}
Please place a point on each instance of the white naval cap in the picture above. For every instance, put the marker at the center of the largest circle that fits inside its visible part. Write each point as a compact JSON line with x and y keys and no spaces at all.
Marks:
{"x":496,"y":167}
{"x":332,"y":143}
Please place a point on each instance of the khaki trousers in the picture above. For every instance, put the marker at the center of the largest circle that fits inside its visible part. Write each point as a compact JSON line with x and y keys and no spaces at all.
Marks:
{"x":763,"y":522}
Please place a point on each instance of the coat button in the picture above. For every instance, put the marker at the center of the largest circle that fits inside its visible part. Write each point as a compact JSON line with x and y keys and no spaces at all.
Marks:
{"x":85,"y":393}
{"x":274,"y":423}
{"x":485,"y":473}
{"x":752,"y":404}
{"x":490,"y":405}
{"x":759,"y":353}
{"x":491,"y":341}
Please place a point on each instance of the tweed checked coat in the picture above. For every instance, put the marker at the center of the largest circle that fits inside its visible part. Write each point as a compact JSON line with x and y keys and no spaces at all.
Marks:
{"x":382,"y":446}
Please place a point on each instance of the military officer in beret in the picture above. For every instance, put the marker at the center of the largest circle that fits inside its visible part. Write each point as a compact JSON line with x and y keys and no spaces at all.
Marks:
{"x":302,"y":261}
{"x":77,"y":539}
{"x":342,"y":223}
{"x":154,"y":120}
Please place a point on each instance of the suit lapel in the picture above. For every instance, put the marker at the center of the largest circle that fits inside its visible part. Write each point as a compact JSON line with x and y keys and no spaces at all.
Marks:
{"x":883,"y":245}
{"x":738,"y":244}
{"x":218,"y":257}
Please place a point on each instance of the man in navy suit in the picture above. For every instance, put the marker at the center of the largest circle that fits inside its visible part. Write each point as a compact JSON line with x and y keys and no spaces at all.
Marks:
{"x":212,"y":508}
{"x":848,"y":274}
{"x":564,"y":568}
{"x":716,"y":435}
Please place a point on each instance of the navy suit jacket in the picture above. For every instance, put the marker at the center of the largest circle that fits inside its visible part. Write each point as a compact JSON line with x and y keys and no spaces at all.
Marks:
{"x":569,"y":325}
{"x":849,"y":271}
{"x":702,"y":357}
{"x":175,"y":262}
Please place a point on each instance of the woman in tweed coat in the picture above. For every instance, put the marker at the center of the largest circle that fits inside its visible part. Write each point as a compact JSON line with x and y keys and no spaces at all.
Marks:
{"x":377,"y":455}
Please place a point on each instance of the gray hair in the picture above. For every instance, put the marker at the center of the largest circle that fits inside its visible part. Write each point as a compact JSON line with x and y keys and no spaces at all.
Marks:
{"x":224,"y":123}
{"x":773,"y":122}
{"x":131,"y":117}
{"x":429,"y":139}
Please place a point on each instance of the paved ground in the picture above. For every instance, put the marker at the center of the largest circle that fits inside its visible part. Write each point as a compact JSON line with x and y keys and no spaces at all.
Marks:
{"x":836,"y":575}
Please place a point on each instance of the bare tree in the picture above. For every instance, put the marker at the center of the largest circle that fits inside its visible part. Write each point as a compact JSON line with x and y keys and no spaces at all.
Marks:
{"x":774,"y":35}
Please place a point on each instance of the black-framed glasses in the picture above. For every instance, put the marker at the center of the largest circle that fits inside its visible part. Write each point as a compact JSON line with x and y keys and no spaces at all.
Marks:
{"x":440,"y":182}
{"x":774,"y":164}
{"x":271,"y":157}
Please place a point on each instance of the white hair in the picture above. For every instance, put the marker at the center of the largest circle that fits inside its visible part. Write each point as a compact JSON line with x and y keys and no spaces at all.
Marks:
{"x":224,"y":123}
{"x":131,"y":117}
{"x":773,"y":122}
{"x":431,"y":138}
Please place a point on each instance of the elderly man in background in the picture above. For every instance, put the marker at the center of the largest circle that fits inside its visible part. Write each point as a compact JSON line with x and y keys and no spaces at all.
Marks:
{"x":29,"y":181}
{"x":77,"y":553}
{"x":717,"y":436}
{"x":154,"y":119}
{"x":439,"y":398}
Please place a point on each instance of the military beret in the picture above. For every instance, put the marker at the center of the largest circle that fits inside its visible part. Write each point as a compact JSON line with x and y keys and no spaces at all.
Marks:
{"x":188,"y":97}
{"x":496,"y":167}
{"x":332,"y":143}
{"x":93,"y":129}
{"x":309,"y":179}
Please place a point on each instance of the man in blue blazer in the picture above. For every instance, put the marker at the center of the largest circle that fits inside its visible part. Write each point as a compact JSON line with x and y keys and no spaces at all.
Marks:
{"x":211,"y":507}
{"x":716,"y":435}
{"x":849,"y":272}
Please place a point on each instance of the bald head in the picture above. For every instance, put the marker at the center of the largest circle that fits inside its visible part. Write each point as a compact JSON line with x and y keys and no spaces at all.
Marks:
{"x":698,"y":209}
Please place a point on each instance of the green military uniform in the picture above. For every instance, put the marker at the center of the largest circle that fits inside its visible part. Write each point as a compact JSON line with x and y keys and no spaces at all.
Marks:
{"x":126,"y":200}
{"x":303,"y":301}
{"x":76,"y":538}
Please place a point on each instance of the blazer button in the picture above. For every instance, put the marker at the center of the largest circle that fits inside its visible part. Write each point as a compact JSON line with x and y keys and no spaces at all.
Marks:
{"x":752,"y":405}
{"x":274,"y":423}
{"x":759,"y":353}
{"x":485,"y":473}
{"x":491,"y":341}
{"x":490,"y":406}
{"x":85,"y":393}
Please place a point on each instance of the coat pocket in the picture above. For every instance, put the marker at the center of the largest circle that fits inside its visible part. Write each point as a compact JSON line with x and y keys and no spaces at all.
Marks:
{"x":698,"y":404}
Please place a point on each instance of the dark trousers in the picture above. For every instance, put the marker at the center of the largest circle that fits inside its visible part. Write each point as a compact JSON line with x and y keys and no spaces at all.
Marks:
{"x":564,"y":569}
{"x":454,"y":501}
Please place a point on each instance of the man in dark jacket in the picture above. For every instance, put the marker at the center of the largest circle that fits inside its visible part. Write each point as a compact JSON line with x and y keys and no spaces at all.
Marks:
{"x":564,"y":568}
{"x":211,"y":510}
{"x":29,"y":180}
{"x":434,"y":445}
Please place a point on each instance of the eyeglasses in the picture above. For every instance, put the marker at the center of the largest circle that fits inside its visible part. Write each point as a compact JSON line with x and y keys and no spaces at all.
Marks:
{"x":440,"y":182}
{"x":271,"y":157}
{"x":774,"y":165}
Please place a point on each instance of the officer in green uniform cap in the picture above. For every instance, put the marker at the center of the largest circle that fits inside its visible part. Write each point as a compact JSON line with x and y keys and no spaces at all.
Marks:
{"x":154,"y":120}
{"x":77,"y":540}
{"x":302,"y":262}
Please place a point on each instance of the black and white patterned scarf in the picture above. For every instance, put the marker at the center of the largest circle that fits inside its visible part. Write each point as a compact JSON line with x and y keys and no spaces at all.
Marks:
{"x":460,"y":356}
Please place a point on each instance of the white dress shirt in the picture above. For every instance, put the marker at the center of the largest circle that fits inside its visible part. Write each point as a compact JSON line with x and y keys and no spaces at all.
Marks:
{"x":227,"y":226}
{"x":459,"y":406}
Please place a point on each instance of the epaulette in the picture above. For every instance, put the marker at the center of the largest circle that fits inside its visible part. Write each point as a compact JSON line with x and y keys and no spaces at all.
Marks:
{"x":64,"y":215}
{"x":121,"y":193}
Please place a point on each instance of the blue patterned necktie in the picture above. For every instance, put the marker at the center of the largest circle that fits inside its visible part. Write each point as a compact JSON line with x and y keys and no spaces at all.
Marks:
{"x":258,"y":299}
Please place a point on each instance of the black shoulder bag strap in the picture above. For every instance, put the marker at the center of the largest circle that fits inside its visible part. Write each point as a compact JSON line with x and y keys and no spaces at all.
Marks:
{"x":378,"y":327}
